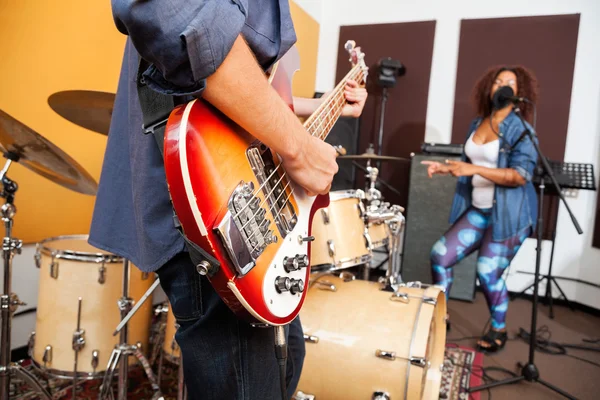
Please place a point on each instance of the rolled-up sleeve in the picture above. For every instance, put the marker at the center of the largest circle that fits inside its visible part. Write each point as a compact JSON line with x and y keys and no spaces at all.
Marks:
{"x":185,"y":41}
{"x":524,"y":157}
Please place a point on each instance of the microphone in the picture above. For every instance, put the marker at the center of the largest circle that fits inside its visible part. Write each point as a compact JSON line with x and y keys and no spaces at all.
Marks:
{"x":505,"y":95}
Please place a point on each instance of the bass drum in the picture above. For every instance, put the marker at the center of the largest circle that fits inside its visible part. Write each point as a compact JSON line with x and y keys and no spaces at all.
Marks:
{"x":365,"y":343}
{"x":80,"y":285}
{"x":170,"y":346}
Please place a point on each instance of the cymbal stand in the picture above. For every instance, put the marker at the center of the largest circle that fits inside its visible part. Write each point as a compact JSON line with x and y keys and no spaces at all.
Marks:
{"x":9,"y":301}
{"x":120,"y":354}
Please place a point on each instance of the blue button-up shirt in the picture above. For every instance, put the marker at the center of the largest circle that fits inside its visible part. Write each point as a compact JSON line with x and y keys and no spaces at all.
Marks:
{"x":185,"y":41}
{"x":515,"y":208}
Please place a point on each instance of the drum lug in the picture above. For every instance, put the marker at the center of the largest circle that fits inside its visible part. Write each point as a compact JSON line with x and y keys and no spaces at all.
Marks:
{"x":31,"y":344}
{"x":102,"y":274}
{"x":386,"y":355}
{"x":161,"y":309}
{"x":347,"y":276}
{"x":401,"y":297}
{"x":381,"y":396}
{"x":325,"y":215}
{"x":331,"y":247}
{"x":78,"y":339}
{"x":54,"y":266}
{"x":368,"y":241}
{"x":415,"y":284}
{"x":304,"y":396}
{"x":47,"y":357}
{"x":419,"y":362}
{"x":95,"y":359}
{"x":38,"y":259}
{"x":311,"y":339}
{"x":429,"y":300}
{"x":326,"y":285}
{"x":145,"y":276}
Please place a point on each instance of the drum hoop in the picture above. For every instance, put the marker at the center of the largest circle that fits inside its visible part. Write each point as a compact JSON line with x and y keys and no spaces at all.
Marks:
{"x":86,"y":376}
{"x":75,"y":255}
{"x":346,"y":194}
{"x":412,"y":341}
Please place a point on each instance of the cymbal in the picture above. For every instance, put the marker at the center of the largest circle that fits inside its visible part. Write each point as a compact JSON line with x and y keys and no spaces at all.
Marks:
{"x":86,"y":108}
{"x":369,"y":156}
{"x":42,"y":157}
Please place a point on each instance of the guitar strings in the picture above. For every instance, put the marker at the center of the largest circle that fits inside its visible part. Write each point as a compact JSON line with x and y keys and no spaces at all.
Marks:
{"x":277,"y":214}
{"x":334,"y":97}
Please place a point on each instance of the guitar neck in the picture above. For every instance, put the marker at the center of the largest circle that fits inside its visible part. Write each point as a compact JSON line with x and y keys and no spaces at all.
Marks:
{"x":321,"y":122}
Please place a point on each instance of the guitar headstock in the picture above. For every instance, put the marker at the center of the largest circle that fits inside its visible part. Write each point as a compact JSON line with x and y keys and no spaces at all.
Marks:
{"x":357,"y":57}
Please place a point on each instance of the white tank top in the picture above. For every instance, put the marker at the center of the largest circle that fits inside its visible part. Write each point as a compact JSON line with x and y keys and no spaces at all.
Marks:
{"x":485,"y":155}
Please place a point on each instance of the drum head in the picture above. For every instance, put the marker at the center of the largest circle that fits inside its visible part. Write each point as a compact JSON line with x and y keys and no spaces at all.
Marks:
{"x":75,"y":247}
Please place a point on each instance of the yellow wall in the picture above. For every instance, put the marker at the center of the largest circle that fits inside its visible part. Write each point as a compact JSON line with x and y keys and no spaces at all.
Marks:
{"x":49,"y":46}
{"x":307,"y":32}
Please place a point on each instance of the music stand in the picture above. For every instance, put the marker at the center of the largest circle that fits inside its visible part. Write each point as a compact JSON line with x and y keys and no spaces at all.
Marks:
{"x":568,"y":176}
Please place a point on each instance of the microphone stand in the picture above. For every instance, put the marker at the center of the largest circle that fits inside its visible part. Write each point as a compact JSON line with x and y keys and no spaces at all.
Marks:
{"x":384,"y":98}
{"x":530,"y":371}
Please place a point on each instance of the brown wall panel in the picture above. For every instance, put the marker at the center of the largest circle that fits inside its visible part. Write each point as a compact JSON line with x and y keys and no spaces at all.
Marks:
{"x":546,"y":45}
{"x":406,"y":110}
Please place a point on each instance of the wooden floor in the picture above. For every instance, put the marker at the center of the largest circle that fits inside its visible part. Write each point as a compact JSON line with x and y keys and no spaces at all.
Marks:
{"x":578,"y":378}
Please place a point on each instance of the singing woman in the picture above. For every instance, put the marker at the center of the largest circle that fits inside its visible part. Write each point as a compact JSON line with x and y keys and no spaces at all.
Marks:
{"x":495,"y":204}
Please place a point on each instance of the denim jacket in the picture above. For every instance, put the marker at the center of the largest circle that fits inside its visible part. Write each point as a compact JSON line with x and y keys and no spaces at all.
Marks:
{"x":515,"y":208}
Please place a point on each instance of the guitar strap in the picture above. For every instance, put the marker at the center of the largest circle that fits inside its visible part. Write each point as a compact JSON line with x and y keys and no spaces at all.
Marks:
{"x":156,"y":108}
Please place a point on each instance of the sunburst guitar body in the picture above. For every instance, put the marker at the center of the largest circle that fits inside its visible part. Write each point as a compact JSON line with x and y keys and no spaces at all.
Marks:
{"x":234,"y":200}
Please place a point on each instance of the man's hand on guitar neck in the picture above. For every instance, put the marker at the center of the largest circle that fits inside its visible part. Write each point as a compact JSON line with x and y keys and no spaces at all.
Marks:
{"x":356,"y":97}
{"x":240,"y":90}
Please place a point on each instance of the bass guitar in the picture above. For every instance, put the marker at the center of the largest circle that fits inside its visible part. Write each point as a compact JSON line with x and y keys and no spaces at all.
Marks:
{"x":234,"y":200}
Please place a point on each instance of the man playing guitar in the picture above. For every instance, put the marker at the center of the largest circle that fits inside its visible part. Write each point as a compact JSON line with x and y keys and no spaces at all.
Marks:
{"x":217,"y":50}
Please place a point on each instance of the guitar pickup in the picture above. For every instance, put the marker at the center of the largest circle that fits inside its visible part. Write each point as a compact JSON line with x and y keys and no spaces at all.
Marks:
{"x":245,"y":230}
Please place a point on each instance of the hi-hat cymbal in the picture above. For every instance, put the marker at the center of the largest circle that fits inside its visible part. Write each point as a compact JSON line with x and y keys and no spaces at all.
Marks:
{"x":369,"y":156}
{"x":42,"y":157}
{"x":86,"y":108}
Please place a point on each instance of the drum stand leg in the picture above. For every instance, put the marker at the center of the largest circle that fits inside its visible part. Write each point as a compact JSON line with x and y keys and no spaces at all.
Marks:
{"x":123,"y":349}
{"x":9,"y":301}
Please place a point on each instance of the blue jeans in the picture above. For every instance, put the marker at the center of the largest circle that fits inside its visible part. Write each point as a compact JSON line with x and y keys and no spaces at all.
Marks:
{"x":224,"y":357}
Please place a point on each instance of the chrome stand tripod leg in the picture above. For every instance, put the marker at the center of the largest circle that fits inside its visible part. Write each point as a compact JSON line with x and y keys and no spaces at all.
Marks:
{"x":146,"y":365}
{"x":20,"y":372}
{"x":125,"y":304}
{"x":106,"y":386}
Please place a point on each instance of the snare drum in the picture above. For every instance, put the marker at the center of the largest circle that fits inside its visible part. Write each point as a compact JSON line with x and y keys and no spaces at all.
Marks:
{"x":339,"y":232}
{"x":362,"y":342}
{"x":70,"y":269}
{"x":170,"y":346}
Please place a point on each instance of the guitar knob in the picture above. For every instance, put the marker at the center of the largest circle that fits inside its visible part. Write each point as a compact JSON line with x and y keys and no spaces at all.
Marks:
{"x":290,"y":264}
{"x":283,"y":284}
{"x":302,"y":260}
{"x":297,"y":286}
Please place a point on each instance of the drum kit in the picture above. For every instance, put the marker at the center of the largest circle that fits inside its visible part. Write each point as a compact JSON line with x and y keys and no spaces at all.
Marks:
{"x":389,"y":335}
{"x":366,"y":325}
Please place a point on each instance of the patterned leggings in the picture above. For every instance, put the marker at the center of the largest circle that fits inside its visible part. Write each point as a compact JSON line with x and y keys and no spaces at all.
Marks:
{"x":474,"y":230}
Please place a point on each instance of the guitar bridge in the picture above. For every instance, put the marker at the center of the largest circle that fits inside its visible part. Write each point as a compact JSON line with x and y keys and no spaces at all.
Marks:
{"x":245,"y":230}
{"x":275,"y":187}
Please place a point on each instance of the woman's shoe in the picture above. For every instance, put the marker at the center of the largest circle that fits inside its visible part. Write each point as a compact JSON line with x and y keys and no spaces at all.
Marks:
{"x":495,"y":341}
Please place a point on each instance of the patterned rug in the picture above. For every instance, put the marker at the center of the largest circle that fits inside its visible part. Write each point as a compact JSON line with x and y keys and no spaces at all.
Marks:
{"x":462,"y":369}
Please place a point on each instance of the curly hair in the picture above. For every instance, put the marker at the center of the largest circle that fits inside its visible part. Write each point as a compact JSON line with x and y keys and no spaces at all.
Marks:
{"x":527,"y":86}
